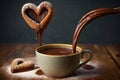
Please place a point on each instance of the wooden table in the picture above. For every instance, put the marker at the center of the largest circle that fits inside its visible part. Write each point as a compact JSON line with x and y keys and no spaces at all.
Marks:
{"x":105,"y":64}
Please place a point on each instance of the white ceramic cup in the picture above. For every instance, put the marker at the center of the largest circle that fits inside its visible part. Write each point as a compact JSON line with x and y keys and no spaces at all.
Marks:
{"x":61,"y":65}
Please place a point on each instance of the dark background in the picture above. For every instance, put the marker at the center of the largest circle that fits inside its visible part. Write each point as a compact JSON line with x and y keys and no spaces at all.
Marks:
{"x":104,"y":30}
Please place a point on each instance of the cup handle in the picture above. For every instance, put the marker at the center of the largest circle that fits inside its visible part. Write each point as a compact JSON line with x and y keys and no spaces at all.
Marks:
{"x":88,"y":59}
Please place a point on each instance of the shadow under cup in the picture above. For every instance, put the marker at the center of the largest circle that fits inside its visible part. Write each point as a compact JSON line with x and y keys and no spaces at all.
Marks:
{"x":60,"y":65}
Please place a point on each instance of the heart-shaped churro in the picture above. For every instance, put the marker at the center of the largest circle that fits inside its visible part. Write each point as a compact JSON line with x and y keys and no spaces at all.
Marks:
{"x":37,"y":17}
{"x":19,"y":65}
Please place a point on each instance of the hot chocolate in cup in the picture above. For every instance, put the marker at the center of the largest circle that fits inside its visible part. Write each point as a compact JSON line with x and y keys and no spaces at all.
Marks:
{"x":57,"y":60}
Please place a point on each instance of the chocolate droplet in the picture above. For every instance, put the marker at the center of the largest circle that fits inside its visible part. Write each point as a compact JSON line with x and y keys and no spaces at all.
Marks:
{"x":39,"y":72}
{"x":88,"y":67}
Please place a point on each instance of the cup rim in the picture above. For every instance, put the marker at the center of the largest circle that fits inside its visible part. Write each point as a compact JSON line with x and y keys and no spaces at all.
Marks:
{"x":79,"y":49}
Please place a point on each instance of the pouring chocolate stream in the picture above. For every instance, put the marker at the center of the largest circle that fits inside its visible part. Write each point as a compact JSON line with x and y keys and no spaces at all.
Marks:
{"x":37,"y":17}
{"x":87,"y":18}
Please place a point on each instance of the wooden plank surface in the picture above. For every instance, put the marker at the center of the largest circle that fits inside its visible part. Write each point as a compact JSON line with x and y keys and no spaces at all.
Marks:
{"x":102,"y":67}
{"x":107,"y":68}
{"x":114,"y":50}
